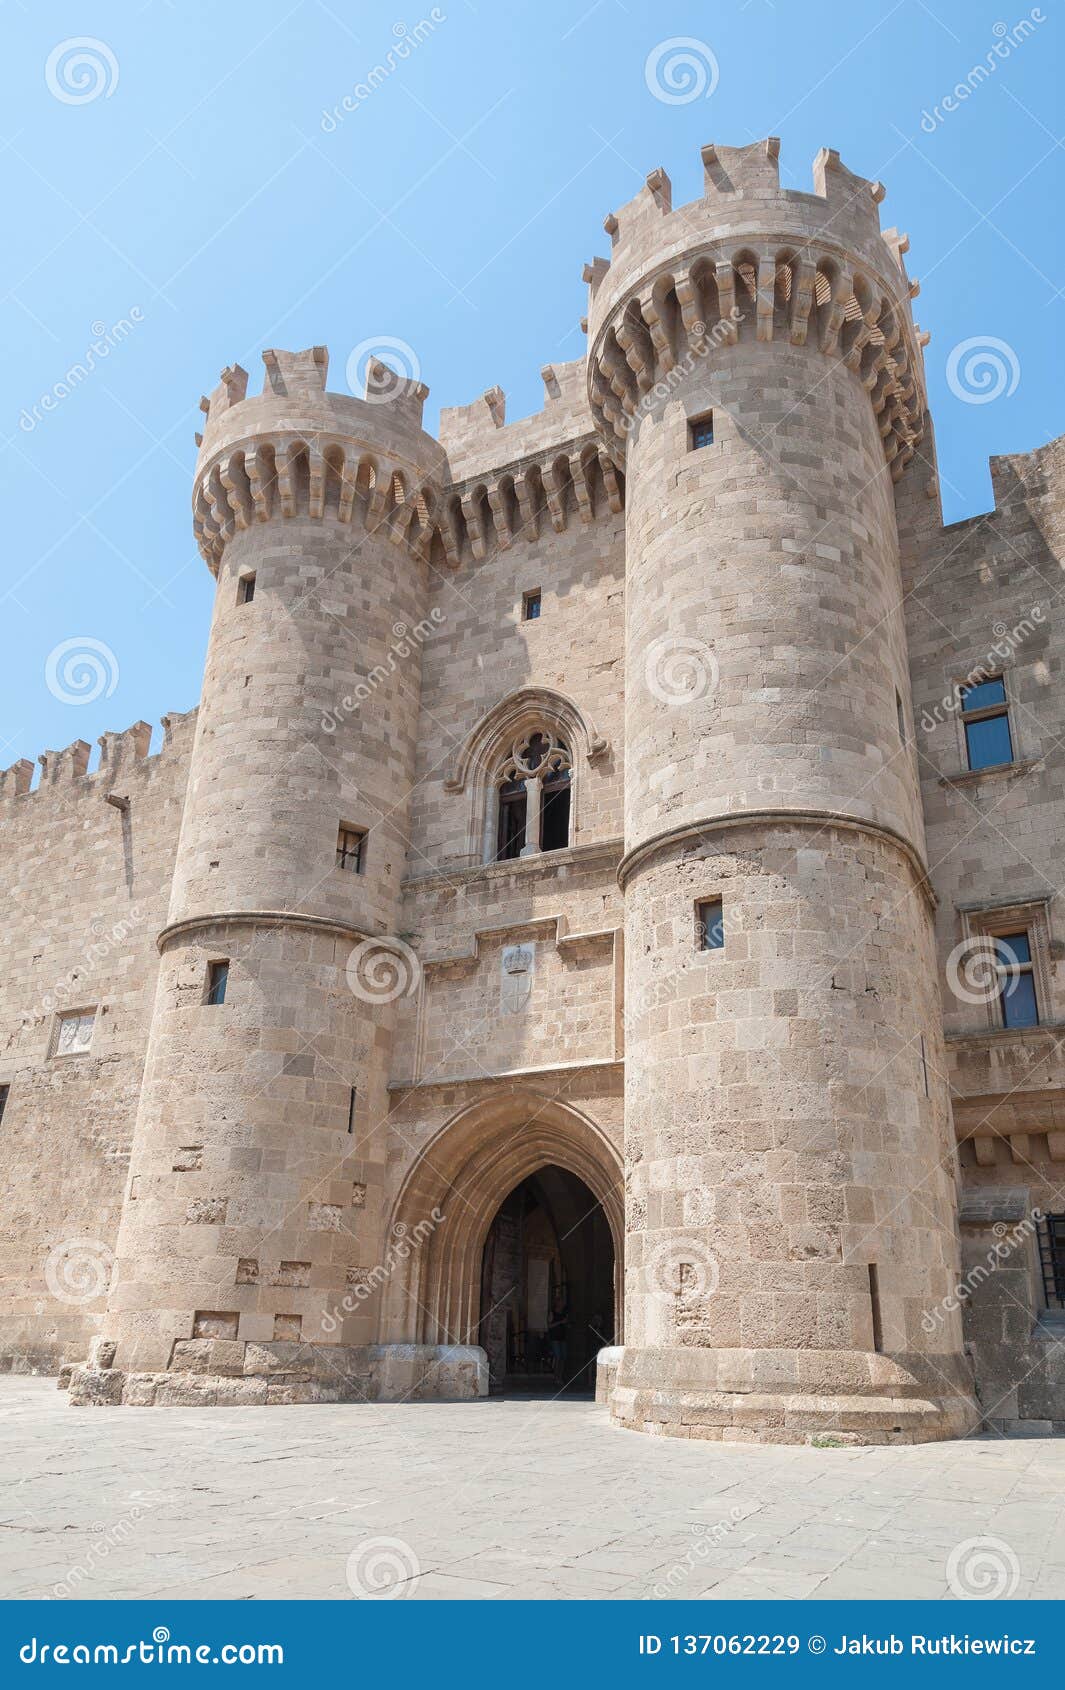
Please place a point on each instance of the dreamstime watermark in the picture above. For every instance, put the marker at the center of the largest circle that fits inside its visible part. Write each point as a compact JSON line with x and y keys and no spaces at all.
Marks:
{"x":78,"y":1270}
{"x":983,"y":368}
{"x":80,"y":70}
{"x":704,"y":342}
{"x":1007,"y":39}
{"x":81,"y":670}
{"x":103,"y":343}
{"x":106,"y":939}
{"x":380,"y":970}
{"x":706,"y":1537}
{"x":983,"y":1568}
{"x":679,"y":669}
{"x":106,"y":1539}
{"x":681,"y":70}
{"x":1007,"y":640}
{"x":407,"y":40}
{"x":1008,"y":1240}
{"x":406,"y":641}
{"x":404,"y":1243}
{"x":380,"y":366}
{"x":382,"y":1568}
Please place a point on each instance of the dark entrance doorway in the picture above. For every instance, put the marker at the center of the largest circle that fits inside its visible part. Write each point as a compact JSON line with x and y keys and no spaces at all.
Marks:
{"x":548,"y":1257}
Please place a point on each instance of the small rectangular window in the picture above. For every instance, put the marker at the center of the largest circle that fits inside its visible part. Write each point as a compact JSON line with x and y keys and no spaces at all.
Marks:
{"x":710,"y":925}
{"x":73,"y":1033}
{"x":701,"y":431}
{"x":1017,"y":1000}
{"x":531,"y":605}
{"x":351,"y":845}
{"x":245,"y":589}
{"x":217,"y":981}
{"x":5,"y":1092}
{"x":986,"y":723}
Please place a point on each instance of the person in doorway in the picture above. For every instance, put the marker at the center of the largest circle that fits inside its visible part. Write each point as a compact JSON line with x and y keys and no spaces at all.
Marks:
{"x":558,"y":1334}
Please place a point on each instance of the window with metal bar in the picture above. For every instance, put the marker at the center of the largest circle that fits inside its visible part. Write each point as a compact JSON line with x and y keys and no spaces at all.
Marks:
{"x":351,"y":844}
{"x":701,"y":431}
{"x":1052,"y":1256}
{"x":1017,"y":1001}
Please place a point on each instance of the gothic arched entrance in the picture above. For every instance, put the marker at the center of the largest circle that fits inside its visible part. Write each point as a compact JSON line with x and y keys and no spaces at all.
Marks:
{"x":457,"y":1186}
{"x":547,"y":1286}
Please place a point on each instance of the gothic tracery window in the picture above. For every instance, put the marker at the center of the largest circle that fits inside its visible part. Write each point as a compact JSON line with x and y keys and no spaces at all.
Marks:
{"x":532,"y":785}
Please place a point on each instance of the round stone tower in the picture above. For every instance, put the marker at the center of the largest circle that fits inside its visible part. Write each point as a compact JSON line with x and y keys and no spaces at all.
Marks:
{"x":790,"y":1226}
{"x":256,"y":1172}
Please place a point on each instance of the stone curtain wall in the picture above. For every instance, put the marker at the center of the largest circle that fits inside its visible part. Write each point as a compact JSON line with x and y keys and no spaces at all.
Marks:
{"x":85,"y":891}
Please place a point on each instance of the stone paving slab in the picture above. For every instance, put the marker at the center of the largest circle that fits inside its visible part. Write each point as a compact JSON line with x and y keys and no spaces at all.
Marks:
{"x":514,"y":1498}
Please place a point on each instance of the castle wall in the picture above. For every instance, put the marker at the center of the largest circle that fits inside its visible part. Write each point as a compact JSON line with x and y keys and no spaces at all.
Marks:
{"x":85,"y":891}
{"x":983,"y":597}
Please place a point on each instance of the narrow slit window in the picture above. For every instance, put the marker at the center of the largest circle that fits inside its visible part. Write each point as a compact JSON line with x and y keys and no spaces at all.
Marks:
{"x":986,"y":723}
{"x":874,"y":1305}
{"x":531,"y":605}
{"x":217,"y":981}
{"x":245,"y":589}
{"x":5,"y":1093}
{"x":1017,"y":1001}
{"x":710,"y":925}
{"x":351,"y":849}
{"x":352,"y":1101}
{"x":900,"y":714}
{"x":701,"y":431}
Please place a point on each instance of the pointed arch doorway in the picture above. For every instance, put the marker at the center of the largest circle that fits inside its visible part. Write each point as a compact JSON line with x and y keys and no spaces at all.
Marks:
{"x":510,"y":1155}
{"x":547,"y":1286}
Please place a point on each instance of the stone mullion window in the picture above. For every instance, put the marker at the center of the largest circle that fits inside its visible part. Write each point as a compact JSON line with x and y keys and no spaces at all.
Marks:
{"x":532,"y":797}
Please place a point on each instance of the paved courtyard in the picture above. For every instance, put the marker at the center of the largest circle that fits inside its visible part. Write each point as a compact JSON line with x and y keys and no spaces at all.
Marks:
{"x":516,"y":1498}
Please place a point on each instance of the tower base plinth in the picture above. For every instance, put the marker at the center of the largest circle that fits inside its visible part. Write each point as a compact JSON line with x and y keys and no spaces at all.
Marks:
{"x":788,"y":1396}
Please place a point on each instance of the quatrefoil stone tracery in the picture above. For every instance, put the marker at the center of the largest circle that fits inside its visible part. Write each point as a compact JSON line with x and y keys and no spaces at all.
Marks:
{"x":538,"y":752}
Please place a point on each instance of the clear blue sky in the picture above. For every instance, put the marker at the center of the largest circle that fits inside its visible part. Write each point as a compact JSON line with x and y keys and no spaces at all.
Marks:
{"x":453,"y":209}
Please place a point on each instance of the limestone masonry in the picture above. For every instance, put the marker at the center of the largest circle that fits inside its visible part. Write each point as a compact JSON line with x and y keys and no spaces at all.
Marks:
{"x":601,"y":926}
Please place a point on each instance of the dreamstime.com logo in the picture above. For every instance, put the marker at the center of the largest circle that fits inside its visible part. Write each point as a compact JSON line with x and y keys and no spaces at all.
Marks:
{"x":381,"y":1568}
{"x":983,"y":368}
{"x":159,"y":1650}
{"x":404,"y":1243}
{"x":983,"y":1569}
{"x":407,"y":39}
{"x":1008,"y":1239}
{"x":81,"y":670}
{"x":681,"y":70}
{"x":382,"y":970}
{"x":679,"y":669}
{"x":80,"y":70}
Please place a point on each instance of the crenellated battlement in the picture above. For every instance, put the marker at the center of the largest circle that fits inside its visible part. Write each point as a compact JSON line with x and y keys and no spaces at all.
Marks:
{"x":299,"y":450}
{"x":121,"y":754}
{"x":752,"y":260}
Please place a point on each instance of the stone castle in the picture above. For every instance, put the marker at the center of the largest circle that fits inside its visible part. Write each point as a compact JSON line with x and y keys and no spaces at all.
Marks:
{"x":601,"y":926}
